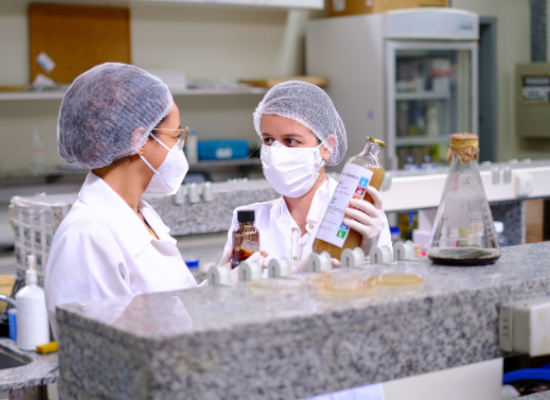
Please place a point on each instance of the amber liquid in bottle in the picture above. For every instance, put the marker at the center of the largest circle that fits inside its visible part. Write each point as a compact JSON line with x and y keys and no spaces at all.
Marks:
{"x":246,"y":238}
{"x":368,"y":159}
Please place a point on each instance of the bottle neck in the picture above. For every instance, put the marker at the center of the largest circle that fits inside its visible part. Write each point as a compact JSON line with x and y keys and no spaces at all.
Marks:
{"x":371,"y":149}
{"x":246,"y":223}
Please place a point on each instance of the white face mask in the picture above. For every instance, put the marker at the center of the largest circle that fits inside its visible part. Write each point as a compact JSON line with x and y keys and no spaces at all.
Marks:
{"x":292,"y":171}
{"x":169,"y":176}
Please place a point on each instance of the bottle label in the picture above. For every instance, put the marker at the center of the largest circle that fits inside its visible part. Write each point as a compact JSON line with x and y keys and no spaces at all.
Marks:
{"x":352,"y":184}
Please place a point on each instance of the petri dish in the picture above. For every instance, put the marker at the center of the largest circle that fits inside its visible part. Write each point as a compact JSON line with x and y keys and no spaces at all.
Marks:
{"x":398,"y":280}
{"x":342,"y":283}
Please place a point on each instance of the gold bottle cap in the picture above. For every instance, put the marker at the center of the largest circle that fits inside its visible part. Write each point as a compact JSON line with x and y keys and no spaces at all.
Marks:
{"x":465,"y":145}
{"x":379,"y":142}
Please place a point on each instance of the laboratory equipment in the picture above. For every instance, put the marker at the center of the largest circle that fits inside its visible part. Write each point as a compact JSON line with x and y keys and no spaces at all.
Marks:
{"x":464,"y":231}
{"x":246,"y":238}
{"x":353,"y":258}
{"x":319,"y":262}
{"x":404,"y":251}
{"x":278,"y":268}
{"x":223,"y":149}
{"x":360,"y":171}
{"x":408,"y":76}
{"x":380,"y":255}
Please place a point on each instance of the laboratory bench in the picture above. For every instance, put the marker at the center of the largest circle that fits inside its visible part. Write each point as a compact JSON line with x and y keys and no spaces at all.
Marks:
{"x":289,"y":340}
{"x":25,"y":372}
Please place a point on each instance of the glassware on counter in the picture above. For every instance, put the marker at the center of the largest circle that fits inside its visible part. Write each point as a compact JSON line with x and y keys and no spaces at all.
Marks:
{"x":464,"y":231}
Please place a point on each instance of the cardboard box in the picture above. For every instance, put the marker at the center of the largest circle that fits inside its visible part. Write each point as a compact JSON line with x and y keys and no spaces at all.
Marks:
{"x":340,"y":8}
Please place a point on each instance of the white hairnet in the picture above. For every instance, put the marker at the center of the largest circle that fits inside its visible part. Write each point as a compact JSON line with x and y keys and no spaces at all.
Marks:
{"x":101,"y":110}
{"x":310,"y":106}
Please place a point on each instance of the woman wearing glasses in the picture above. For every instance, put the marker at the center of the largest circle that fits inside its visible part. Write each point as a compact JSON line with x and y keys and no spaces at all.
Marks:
{"x":122,"y":124}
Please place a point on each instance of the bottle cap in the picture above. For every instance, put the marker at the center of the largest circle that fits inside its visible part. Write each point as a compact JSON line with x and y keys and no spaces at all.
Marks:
{"x":245,"y":216}
{"x":192,"y":263}
{"x":499,"y":226}
{"x":395,"y":230}
{"x":376,"y":141}
{"x":30,"y":276}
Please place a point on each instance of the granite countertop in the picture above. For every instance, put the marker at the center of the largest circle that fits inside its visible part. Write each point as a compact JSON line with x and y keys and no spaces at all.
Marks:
{"x":235,"y":342}
{"x":42,"y":370}
{"x":537,"y":396}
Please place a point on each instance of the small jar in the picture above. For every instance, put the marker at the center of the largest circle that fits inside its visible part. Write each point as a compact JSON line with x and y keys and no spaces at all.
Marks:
{"x":246,"y":238}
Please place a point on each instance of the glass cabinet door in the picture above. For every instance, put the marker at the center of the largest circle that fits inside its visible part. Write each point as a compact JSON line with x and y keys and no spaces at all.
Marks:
{"x":430,"y":97}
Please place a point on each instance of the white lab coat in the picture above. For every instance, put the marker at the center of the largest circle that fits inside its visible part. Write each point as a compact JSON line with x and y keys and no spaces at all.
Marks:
{"x":281,"y":237}
{"x":279,"y":233}
{"x":102,"y":250}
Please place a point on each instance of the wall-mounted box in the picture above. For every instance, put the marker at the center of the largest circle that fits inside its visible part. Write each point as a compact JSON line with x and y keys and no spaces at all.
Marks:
{"x":533,"y":100}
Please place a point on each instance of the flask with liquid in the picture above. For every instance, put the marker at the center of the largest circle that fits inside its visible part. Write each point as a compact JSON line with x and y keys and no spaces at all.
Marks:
{"x":246,"y":238}
{"x":464,"y":231}
{"x":360,"y":171}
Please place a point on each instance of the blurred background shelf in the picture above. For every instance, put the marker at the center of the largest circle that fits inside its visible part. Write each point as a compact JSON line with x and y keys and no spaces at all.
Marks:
{"x":422,"y":95}
{"x":58,"y":95}
{"x":226,"y":163}
{"x":419,"y":140}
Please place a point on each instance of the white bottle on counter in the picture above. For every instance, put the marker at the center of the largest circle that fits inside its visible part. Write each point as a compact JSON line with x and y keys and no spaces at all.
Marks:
{"x":33,"y":328}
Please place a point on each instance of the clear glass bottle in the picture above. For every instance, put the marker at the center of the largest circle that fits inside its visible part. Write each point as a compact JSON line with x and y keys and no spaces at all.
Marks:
{"x":360,"y":171}
{"x":464,"y":232}
{"x":246,"y":238}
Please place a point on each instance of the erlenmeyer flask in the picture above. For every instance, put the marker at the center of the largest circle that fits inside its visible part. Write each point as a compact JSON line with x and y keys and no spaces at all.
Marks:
{"x":464,"y":232}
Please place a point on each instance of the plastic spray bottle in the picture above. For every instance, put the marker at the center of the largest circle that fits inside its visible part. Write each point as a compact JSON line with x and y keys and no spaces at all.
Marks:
{"x":33,"y":328}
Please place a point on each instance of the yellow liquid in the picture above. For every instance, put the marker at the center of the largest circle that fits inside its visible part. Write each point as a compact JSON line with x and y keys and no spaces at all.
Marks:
{"x":354,"y":238}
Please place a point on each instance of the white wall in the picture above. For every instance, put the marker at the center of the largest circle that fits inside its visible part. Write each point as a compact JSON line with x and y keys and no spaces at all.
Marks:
{"x":205,"y":41}
{"x":514,"y":47}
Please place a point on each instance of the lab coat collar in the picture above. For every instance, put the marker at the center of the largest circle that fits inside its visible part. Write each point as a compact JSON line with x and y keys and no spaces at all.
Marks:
{"x":319,"y":202}
{"x":317,"y":207}
{"x":97,"y":194}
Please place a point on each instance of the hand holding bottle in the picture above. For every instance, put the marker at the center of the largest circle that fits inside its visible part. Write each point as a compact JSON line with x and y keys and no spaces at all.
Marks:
{"x":367,"y":219}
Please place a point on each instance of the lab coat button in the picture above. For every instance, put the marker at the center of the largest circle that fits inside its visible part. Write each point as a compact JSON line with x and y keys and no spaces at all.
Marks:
{"x":295,"y":258}
{"x":311,"y":226}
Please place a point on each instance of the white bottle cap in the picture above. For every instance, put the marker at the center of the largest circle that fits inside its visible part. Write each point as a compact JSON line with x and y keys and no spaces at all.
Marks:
{"x":499,"y":226}
{"x":30,"y":276}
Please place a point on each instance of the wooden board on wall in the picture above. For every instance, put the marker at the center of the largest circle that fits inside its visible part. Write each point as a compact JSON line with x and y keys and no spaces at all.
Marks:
{"x":77,"y":38}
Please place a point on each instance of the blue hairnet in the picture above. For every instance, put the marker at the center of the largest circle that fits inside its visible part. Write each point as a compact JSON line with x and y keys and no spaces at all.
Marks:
{"x":101,"y":110}
{"x":310,"y":106}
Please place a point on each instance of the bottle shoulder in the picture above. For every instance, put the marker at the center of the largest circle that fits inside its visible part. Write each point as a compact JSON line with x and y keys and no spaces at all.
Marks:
{"x":365,"y":160}
{"x":30,"y":292}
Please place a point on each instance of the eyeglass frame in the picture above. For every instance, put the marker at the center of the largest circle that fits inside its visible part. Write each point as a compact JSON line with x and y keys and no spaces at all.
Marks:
{"x":180,"y":141}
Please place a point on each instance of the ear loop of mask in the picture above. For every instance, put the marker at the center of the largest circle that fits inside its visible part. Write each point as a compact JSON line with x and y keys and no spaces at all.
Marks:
{"x":147,"y":162}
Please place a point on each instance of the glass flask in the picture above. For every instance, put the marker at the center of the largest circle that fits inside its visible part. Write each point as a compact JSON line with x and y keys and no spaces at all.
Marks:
{"x":464,"y":231}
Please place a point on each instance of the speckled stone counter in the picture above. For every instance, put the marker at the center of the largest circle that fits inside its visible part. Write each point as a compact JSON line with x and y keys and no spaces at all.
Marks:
{"x":235,"y":342}
{"x":42,"y":369}
{"x":537,"y":396}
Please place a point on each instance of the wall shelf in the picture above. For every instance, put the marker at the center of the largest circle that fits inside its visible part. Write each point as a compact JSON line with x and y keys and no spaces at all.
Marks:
{"x":422,"y":96}
{"x":253,"y":161}
{"x":419,"y":140}
{"x":58,"y":95}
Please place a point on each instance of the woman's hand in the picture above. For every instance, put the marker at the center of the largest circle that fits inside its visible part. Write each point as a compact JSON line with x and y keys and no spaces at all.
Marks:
{"x":367,"y":219}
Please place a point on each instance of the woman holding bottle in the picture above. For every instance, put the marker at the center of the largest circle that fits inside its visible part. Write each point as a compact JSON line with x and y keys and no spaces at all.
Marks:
{"x":301,"y":134}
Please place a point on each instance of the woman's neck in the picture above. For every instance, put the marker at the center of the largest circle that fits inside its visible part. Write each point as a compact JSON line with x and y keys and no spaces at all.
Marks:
{"x":128,"y":184}
{"x":299,"y":207}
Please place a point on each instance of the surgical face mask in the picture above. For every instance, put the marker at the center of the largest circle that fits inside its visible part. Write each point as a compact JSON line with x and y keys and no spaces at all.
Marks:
{"x":292,"y":171}
{"x":169,"y":176}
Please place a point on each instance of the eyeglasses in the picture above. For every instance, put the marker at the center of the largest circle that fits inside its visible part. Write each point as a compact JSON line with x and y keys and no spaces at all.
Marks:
{"x":180,"y":140}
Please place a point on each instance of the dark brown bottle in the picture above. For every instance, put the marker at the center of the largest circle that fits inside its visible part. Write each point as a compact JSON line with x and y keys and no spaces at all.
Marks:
{"x":246,"y":238}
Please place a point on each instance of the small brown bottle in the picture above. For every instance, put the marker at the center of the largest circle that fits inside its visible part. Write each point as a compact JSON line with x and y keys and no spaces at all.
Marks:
{"x":246,"y":238}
